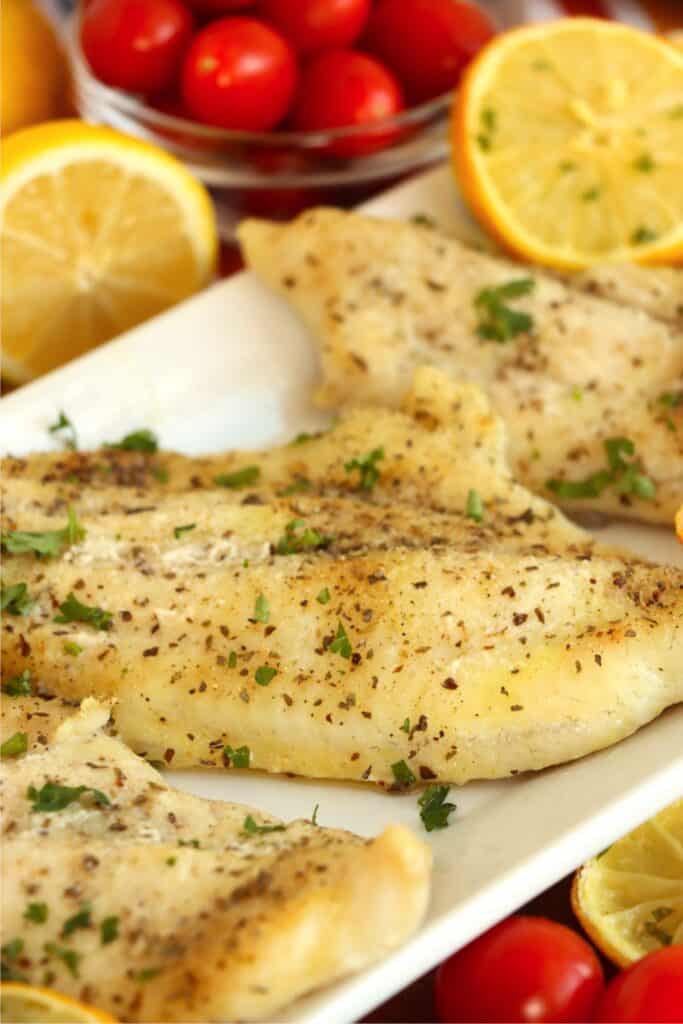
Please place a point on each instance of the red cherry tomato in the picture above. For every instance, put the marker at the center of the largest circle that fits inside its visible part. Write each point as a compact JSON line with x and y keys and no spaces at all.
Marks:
{"x":526,"y":969}
{"x":341,"y":88}
{"x":427,"y":43}
{"x":136,"y":45}
{"x":239,"y":74}
{"x":650,"y":990}
{"x":312,"y":25}
{"x":216,"y":8}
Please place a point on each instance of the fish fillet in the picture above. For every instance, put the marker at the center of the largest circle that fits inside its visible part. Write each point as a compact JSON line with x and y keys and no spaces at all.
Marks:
{"x":412,"y":632}
{"x":381,"y":297}
{"x":656,"y":290}
{"x":206,"y":921}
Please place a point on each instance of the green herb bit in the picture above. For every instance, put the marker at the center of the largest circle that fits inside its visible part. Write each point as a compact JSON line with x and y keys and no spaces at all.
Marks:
{"x":138,"y":441}
{"x":299,"y":485}
{"x":69,"y":957}
{"x":194,"y":843}
{"x":403,"y":777}
{"x":484,"y":142}
{"x":642,"y":235}
{"x":577,"y":394}
{"x":18,"y":686}
{"x":434,"y":809}
{"x":11,"y":952}
{"x":591,"y":194}
{"x":52,"y":797}
{"x":36,"y":912}
{"x":15,"y":745}
{"x":298,"y":537}
{"x":644,"y":163}
{"x":498,"y":322}
{"x":171,"y":861}
{"x":232,"y":659}
{"x":252,"y":829}
{"x":653,"y":927}
{"x":423,"y":220}
{"x":82,"y":919}
{"x":625,"y":477}
{"x":178,"y":531}
{"x":72,"y":648}
{"x":160,"y":473}
{"x":264,"y":675}
{"x":406,"y":726}
{"x":314,"y":816}
{"x":324,"y":596}
{"x":367,"y":468}
{"x":15,"y":600}
{"x":147,"y":973}
{"x":49,"y":544}
{"x":64,"y":423}
{"x":237,"y":758}
{"x":671,"y":399}
{"x":474,"y":508}
{"x":341,"y":644}
{"x":109,"y":930}
{"x":261,"y":609}
{"x":73,"y":611}
{"x":239,"y":479}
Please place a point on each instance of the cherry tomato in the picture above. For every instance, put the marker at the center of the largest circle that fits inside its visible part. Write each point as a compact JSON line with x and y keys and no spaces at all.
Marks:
{"x":239,"y":74}
{"x":312,"y":25}
{"x":427,"y":43}
{"x":526,"y":969}
{"x":341,"y":88}
{"x":216,"y":8}
{"x":136,"y":45}
{"x":650,"y":990}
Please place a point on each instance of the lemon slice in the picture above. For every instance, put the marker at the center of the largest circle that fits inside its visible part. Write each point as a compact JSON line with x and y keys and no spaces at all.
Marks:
{"x":98,"y":231}
{"x":630,"y":898}
{"x":26,"y":1004}
{"x":568,"y":143}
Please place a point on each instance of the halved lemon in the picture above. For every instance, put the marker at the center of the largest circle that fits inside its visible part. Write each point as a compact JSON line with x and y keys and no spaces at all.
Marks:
{"x":568,"y":143}
{"x":630,"y":898}
{"x":98,"y":232}
{"x":27,"y":1004}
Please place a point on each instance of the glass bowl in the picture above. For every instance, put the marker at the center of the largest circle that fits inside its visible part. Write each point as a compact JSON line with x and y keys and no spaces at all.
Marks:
{"x":275,"y":174}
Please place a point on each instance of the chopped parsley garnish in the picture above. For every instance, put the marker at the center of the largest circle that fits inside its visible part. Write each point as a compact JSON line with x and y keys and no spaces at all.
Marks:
{"x":82,"y":919}
{"x":625,"y":477}
{"x":64,"y":423}
{"x":160,"y":473}
{"x":109,"y":930}
{"x":264,"y":675}
{"x":576,"y":394}
{"x":73,"y":611}
{"x":434,"y":809}
{"x":239,"y":479}
{"x":341,"y":644}
{"x":299,"y":485}
{"x":298,"y":537}
{"x":591,"y":194}
{"x":653,"y":928}
{"x":669,"y":399}
{"x":147,"y":973}
{"x":403,"y":777}
{"x":644,"y":163}
{"x":194,"y":843}
{"x":642,"y":235}
{"x":15,"y":600}
{"x":474,"y":509}
{"x":314,"y":816}
{"x":69,"y":957}
{"x":367,"y":468}
{"x":232,"y":659}
{"x":171,"y":861}
{"x":178,"y":531}
{"x":15,"y":745}
{"x":305,"y":436}
{"x":11,"y":952}
{"x":423,"y":220}
{"x":252,"y":829}
{"x":52,"y":797}
{"x":237,"y":758}
{"x":48,"y":544}
{"x":36,"y":912}
{"x":497,"y":321}
{"x":488,"y":127}
{"x":138,"y":441}
{"x":324,"y":596}
{"x":261,"y":609}
{"x":406,"y":725}
{"x":18,"y":686}
{"x":72,"y":648}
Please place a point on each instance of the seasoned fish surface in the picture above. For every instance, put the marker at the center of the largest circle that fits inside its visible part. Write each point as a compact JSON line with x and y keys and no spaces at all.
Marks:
{"x":381,"y":297}
{"x":656,"y":290}
{"x":185,"y":914}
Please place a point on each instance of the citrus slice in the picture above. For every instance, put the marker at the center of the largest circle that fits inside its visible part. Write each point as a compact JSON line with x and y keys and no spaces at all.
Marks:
{"x":28,"y":42}
{"x":567,"y":140}
{"x":26,"y":1004}
{"x":98,"y":231}
{"x":629,"y":899}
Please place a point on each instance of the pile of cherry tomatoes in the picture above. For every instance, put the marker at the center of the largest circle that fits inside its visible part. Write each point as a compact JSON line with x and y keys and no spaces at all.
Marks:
{"x":303,"y":65}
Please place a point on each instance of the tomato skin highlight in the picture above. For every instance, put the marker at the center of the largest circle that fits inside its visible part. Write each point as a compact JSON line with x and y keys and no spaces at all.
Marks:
{"x":525,"y":969}
{"x":313,"y":25}
{"x":427,"y":43}
{"x":650,"y":990}
{"x":239,"y":74}
{"x":136,"y":45}
{"x":341,"y":88}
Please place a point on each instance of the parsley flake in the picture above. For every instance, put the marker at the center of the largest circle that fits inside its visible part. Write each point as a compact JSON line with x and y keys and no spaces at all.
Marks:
{"x":474,"y":509}
{"x":341,"y":644}
{"x":366,"y":465}
{"x":264,"y":675}
{"x":239,"y":479}
{"x":64,"y":423}
{"x":82,"y":919}
{"x":237,"y":758}
{"x":299,"y":485}
{"x":625,"y":477}
{"x":644,"y":163}
{"x":160,"y":473}
{"x":314,"y":816}
{"x":251,"y":828}
{"x":498,"y":322}
{"x":48,"y":544}
{"x":671,"y":399}
{"x":323,"y":596}
{"x":11,"y":951}
{"x":15,"y":745}
{"x":642,"y":235}
{"x":147,"y":973}
{"x":69,"y":957}
{"x":73,"y":611}
{"x":653,"y":927}
{"x":434,"y":809}
{"x":178,"y":531}
{"x":261,"y":609}
{"x":15,"y":600}
{"x":298,"y":537}
{"x":72,"y":648}
{"x":18,"y":686}
{"x":52,"y":797}
{"x":232,"y":659}
{"x":406,"y":725}
{"x":403,"y":776}
{"x":109,"y":930}
{"x":591,"y":194}
{"x":138,"y":441}
{"x":36,"y":912}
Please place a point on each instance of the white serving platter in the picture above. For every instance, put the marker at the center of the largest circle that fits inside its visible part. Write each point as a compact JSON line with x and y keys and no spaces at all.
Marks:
{"x":234,"y":368}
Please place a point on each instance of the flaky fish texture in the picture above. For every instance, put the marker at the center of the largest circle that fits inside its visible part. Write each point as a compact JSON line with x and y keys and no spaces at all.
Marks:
{"x":397,"y":610}
{"x":381,"y":297}
{"x":656,"y":290}
{"x":161,"y":906}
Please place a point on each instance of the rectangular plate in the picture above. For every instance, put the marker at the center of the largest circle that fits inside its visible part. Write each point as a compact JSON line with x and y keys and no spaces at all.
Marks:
{"x":233,"y":367}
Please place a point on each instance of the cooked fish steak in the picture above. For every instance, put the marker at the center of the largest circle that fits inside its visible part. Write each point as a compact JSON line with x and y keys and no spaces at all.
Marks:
{"x":656,"y":290}
{"x":381,"y":297}
{"x":211,"y":922}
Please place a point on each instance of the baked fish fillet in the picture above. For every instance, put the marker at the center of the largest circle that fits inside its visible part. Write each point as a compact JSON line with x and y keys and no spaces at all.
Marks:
{"x":381,"y":297}
{"x":159,"y":906}
{"x":399,"y":631}
{"x":658,"y":291}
